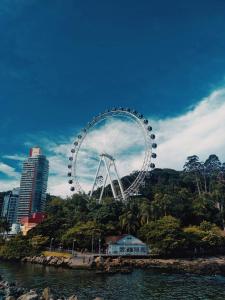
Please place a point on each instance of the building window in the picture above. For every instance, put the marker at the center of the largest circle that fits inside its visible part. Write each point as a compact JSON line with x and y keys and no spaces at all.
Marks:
{"x":129,"y":250}
{"x":122,"y":249}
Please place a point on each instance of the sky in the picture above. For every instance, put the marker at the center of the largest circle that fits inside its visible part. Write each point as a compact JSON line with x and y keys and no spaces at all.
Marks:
{"x":63,"y":62}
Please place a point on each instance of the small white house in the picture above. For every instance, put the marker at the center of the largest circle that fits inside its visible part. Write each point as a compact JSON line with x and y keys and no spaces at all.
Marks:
{"x":126,"y":245}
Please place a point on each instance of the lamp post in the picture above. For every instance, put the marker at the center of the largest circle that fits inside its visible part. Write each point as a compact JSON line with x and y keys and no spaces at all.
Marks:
{"x":92,"y":243}
{"x":99,"y":247}
{"x":73,"y":247}
{"x":52,"y":239}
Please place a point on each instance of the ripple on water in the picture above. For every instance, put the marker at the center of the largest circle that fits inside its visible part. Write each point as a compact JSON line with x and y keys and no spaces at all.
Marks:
{"x":140,"y":285}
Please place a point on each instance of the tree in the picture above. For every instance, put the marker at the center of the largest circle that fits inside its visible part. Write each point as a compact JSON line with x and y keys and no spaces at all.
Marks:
{"x":164,"y":236}
{"x":129,"y":218}
{"x":212,"y":168}
{"x":129,"y":222}
{"x":4,"y":226}
{"x":194,"y":166}
{"x":38,"y":243}
{"x":145,"y":211}
{"x":204,"y":239}
{"x":16,"y":248}
{"x":83,"y":233}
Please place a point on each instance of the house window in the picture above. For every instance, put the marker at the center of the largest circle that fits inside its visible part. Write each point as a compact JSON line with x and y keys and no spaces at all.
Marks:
{"x":129,"y":250}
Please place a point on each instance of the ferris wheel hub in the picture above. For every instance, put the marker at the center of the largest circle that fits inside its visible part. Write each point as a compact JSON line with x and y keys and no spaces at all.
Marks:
{"x":107,"y":156}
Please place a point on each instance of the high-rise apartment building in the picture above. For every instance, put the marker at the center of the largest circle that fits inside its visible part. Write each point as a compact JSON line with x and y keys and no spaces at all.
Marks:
{"x":33,"y":184}
{"x":10,"y":204}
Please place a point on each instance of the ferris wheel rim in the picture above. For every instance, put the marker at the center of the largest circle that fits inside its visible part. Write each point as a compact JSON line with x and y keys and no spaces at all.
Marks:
{"x":148,"y":154}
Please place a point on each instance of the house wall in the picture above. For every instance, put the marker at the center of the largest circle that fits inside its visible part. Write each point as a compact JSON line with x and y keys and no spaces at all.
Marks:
{"x":128,"y":245}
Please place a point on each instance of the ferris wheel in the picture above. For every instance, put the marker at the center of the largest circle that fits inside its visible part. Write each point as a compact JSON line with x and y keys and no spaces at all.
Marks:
{"x":97,"y":161}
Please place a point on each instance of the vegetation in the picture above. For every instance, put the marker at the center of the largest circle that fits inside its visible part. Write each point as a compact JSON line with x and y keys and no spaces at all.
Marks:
{"x":20,"y":246}
{"x":179,"y":213}
{"x":57,"y":254}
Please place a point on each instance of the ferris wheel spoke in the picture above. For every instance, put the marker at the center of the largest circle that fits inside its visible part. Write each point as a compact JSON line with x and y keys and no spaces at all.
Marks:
{"x":81,"y":152}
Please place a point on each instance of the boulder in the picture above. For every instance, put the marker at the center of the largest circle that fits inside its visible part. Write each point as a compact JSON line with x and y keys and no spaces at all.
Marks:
{"x":47,"y":294}
{"x":73,"y":297}
{"x":10,"y":298}
{"x":31,"y":295}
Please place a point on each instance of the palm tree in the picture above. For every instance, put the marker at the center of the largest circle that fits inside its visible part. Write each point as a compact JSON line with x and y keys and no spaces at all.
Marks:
{"x":145,"y":212}
{"x":129,"y":221}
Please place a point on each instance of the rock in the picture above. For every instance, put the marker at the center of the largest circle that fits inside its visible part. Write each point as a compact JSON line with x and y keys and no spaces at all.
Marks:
{"x":31,"y":295}
{"x":73,"y":297}
{"x":47,"y":294}
{"x":10,"y":298}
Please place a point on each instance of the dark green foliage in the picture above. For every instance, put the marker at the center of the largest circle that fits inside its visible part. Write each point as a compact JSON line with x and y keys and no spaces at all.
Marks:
{"x":177,"y":212}
{"x":16,"y":248}
{"x":164,"y":235}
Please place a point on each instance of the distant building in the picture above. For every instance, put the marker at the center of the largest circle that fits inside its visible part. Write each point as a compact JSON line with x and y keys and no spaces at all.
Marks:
{"x":10,"y":204}
{"x":15,"y":229}
{"x":33,"y":184}
{"x":126,"y":245}
{"x":2,"y":195}
{"x":27,"y":223}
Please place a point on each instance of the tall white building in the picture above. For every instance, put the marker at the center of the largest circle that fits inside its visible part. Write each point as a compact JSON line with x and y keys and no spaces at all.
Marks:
{"x":33,"y":184}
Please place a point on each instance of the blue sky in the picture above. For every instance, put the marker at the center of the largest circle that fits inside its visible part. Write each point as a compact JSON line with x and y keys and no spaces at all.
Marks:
{"x":61,"y":62}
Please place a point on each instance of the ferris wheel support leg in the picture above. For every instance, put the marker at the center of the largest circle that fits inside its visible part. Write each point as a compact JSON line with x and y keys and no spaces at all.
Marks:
{"x":103,"y":187}
{"x":96,"y":175}
{"x":119,"y":181}
{"x":110,"y":179}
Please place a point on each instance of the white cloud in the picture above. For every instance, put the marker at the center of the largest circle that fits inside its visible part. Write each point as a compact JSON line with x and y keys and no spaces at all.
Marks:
{"x":7,"y":185}
{"x":8,"y":170}
{"x":14,"y":157}
{"x":11,"y":177}
{"x":200,"y":131}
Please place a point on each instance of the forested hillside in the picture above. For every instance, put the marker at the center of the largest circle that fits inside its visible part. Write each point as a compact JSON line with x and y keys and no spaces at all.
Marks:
{"x":178,"y":213}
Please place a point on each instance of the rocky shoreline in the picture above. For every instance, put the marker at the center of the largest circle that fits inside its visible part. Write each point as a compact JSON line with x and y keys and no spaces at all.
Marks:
{"x":204,"y":266}
{"x":10,"y":291}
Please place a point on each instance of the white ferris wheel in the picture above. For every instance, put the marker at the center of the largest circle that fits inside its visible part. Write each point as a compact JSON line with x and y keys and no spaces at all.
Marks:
{"x":113,"y":145}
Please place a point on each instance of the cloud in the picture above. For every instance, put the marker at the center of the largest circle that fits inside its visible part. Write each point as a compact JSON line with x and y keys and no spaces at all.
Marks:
{"x":8,"y":170}
{"x":200,"y":130}
{"x":7,"y":185}
{"x":14,"y":157}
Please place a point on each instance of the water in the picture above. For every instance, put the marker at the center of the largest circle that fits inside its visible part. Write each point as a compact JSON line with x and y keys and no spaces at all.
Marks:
{"x":140,"y":285}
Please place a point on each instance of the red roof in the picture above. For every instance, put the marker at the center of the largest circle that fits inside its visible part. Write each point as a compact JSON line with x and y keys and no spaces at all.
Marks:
{"x":114,"y":238}
{"x":36,"y":218}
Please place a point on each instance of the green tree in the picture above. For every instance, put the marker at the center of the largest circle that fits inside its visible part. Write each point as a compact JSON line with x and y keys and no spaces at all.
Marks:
{"x":82,"y":234}
{"x":164,"y":236}
{"x":145,"y":211}
{"x":38,"y":243}
{"x":194,"y":167}
{"x":16,"y":248}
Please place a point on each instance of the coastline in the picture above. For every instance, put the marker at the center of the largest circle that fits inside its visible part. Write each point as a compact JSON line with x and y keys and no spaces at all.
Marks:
{"x":204,"y":266}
